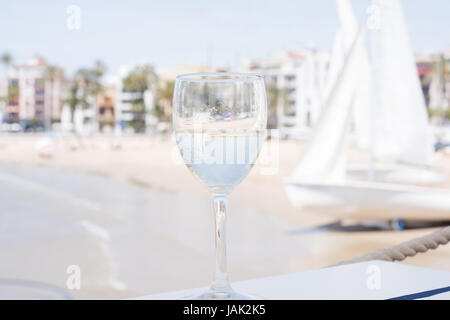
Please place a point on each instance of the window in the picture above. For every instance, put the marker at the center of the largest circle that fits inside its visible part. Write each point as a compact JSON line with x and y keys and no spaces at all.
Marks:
{"x":39,"y":83}
{"x":290,"y":77}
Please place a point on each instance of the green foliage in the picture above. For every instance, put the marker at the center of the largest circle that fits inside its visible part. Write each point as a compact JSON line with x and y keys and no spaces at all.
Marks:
{"x":89,"y":81}
{"x":439,"y":113}
{"x":142,"y":78}
{"x":13,"y":93}
{"x":99,"y":69}
{"x":53,"y":73}
{"x":6,"y":59}
{"x":138,"y":125}
{"x":166,"y":92}
{"x":138,"y":106}
{"x":86,"y":83}
{"x":276,"y":97}
{"x":73,"y":99}
{"x":139,"y":80}
{"x":163,"y":104}
{"x":158,"y":111}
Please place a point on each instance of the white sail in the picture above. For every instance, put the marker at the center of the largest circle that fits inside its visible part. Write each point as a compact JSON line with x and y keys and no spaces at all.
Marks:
{"x":400,"y":122}
{"x":389,"y":116}
{"x":325,"y":155}
{"x":345,"y":35}
{"x":361,"y":101}
{"x":361,"y":108}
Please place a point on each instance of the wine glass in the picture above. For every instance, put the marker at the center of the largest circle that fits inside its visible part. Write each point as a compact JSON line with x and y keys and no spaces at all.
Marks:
{"x":220,"y":120}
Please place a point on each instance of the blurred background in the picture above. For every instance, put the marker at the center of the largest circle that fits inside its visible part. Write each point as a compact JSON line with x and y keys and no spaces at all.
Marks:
{"x":95,"y":201}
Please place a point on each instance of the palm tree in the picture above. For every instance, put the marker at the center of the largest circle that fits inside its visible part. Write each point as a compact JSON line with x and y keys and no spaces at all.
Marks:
{"x":164,"y":101}
{"x":89,"y":80}
{"x":6,"y":59}
{"x":142,"y":78}
{"x":51,"y":75}
{"x":97,"y":72}
{"x":73,"y":100}
{"x":85,"y":86}
{"x":99,"y":68}
{"x":278,"y":101}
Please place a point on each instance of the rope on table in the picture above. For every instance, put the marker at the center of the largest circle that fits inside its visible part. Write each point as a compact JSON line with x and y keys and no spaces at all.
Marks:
{"x":406,"y":249}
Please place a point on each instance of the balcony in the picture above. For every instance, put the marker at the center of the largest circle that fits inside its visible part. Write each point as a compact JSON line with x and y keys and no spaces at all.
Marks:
{"x":12,"y":109}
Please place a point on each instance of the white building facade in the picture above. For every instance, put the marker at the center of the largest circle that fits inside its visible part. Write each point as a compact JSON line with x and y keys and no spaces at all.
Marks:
{"x":301,"y":75}
{"x":128,"y":119}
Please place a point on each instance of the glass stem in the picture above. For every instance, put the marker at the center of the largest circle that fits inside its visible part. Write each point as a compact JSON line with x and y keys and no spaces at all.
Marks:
{"x":221,"y":282}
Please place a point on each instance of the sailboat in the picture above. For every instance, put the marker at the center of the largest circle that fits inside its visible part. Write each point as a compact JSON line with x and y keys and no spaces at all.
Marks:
{"x":383,"y":98}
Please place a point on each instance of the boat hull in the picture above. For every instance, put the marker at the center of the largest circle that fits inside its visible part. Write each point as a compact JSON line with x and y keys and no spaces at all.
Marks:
{"x":365,"y":200}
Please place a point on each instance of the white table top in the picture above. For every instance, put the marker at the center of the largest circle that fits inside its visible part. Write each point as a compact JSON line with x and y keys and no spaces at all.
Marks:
{"x":367,"y":280}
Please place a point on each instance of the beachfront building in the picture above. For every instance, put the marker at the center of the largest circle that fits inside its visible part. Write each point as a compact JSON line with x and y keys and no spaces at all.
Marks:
{"x":134,"y":110}
{"x":33,"y":94}
{"x":434,"y":72}
{"x":298,"y":77}
{"x":135,"y":99}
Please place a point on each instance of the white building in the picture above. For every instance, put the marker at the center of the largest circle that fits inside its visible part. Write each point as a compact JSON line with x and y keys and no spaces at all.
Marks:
{"x":439,"y":88}
{"x":301,"y":75}
{"x":128,"y":118}
{"x":434,"y":73}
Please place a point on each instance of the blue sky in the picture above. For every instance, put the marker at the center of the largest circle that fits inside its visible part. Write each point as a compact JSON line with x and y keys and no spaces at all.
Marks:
{"x":169,"y":32}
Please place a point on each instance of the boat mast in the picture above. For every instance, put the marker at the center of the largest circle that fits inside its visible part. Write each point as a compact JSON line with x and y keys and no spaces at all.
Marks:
{"x":373,"y":21}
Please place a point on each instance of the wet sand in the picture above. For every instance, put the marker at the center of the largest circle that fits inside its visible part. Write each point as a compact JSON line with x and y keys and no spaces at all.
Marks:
{"x":137,"y":222}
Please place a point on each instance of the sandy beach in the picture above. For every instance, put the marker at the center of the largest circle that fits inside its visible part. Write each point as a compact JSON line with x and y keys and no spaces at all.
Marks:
{"x":137,"y":222}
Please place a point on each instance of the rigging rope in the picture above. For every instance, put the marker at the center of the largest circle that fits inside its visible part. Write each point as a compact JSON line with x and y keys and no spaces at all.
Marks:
{"x":406,"y":249}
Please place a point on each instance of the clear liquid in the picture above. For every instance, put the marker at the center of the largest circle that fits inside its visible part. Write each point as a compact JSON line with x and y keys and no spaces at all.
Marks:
{"x":220,"y":159}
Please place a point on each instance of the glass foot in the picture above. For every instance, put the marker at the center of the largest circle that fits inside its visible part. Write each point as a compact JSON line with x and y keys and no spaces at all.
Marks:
{"x":222,"y":295}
